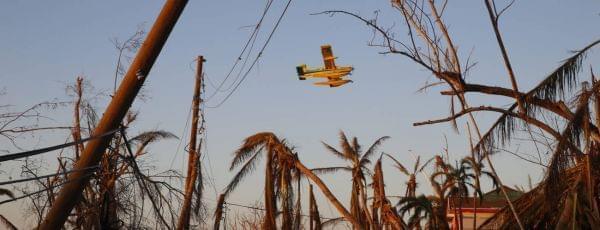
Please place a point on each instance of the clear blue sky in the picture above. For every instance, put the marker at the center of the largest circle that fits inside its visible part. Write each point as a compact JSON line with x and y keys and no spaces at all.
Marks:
{"x":45,"y":44}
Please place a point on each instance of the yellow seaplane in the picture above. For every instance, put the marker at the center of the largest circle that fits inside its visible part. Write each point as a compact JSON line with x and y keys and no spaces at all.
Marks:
{"x":335,"y":75}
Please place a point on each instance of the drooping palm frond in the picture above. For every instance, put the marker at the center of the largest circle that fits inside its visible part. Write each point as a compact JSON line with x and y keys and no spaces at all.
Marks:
{"x":254,"y":143}
{"x":398,"y":165}
{"x":150,"y":136}
{"x":562,"y":79}
{"x":536,"y":211}
{"x":334,"y":151}
{"x":421,"y":206}
{"x":425,"y":165}
{"x":498,"y":135}
{"x":567,"y":148}
{"x":247,"y":168}
{"x":367,"y":155}
{"x":328,"y":170}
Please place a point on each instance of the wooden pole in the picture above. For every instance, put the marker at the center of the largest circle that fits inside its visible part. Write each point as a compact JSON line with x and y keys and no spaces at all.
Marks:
{"x":70,"y":194}
{"x":193,"y":154}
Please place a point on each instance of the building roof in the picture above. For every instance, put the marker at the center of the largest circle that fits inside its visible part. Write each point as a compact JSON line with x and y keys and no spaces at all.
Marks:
{"x":491,"y":199}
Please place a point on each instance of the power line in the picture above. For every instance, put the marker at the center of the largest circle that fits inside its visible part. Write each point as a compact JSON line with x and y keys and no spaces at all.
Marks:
{"x":257,"y":57}
{"x":38,"y":192}
{"x":47,"y":176}
{"x":34,"y":152}
{"x":183,"y":136}
{"x":250,"y":40}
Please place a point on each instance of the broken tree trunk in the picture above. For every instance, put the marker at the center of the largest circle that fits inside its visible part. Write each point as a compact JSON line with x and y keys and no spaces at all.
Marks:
{"x":328,"y":194}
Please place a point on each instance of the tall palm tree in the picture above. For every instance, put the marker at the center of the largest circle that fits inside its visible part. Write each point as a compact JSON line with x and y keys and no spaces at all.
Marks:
{"x":440,"y":189}
{"x":359,"y":162}
{"x":422,"y":208}
{"x":411,"y":184}
{"x":457,"y":181}
{"x":476,"y":167}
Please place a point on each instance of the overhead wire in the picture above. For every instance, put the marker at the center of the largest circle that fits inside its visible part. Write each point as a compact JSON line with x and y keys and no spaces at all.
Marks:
{"x":38,"y":192}
{"x":206,"y":155}
{"x":252,"y":37}
{"x":47,"y":176}
{"x":184,"y":132}
{"x":34,"y":152}
{"x":255,"y":59}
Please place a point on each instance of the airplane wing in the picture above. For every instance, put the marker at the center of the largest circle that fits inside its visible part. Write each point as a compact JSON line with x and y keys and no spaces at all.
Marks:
{"x":328,"y":58}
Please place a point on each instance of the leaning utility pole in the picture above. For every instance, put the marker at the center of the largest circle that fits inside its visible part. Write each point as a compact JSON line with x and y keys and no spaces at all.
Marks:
{"x":193,"y":154}
{"x":70,"y":193}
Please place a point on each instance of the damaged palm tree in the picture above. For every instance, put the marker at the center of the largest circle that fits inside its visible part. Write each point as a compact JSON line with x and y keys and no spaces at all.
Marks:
{"x":384,"y":214}
{"x":280,"y":162}
{"x":411,"y":184}
{"x":567,"y":197}
{"x":359,"y":162}
{"x":277,"y":174}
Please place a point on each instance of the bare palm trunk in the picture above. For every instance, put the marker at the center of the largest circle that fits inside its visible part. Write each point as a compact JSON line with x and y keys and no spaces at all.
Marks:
{"x":354,"y":200}
{"x":365,"y":214}
{"x":270,"y":202}
{"x":334,"y":201}
{"x":286,"y":204}
{"x":298,"y":208}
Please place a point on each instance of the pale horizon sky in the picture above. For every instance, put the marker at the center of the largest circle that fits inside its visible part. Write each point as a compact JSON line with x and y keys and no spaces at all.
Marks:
{"x":44,"y":45}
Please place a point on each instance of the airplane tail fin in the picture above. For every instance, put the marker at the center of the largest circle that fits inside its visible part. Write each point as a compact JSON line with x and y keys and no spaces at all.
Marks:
{"x":300,"y":70}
